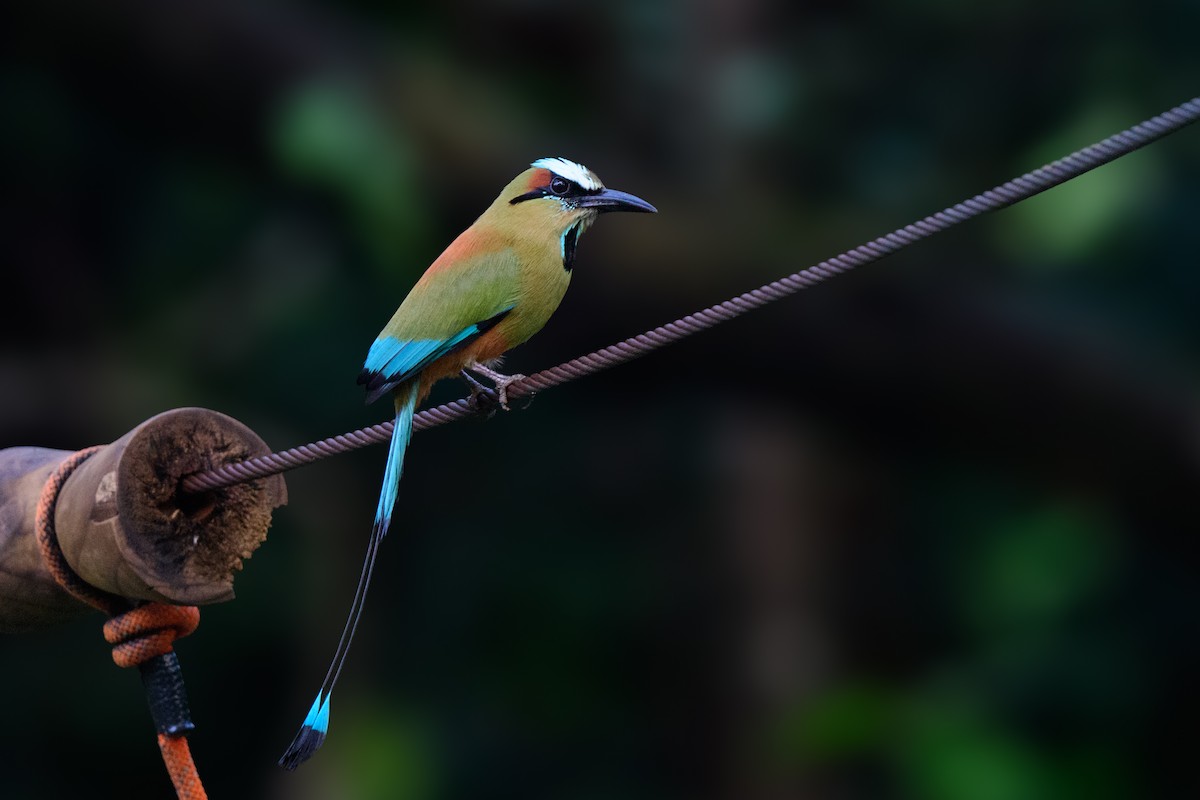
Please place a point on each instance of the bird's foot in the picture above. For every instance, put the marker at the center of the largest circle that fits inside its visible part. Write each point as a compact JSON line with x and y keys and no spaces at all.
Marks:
{"x":501,"y":381}
{"x":483,"y":399}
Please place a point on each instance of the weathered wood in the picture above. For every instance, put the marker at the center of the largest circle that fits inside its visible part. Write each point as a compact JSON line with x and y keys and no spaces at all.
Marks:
{"x":125,"y":526}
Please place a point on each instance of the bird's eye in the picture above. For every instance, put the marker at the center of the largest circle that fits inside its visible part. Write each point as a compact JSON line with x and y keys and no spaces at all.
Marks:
{"x":559,"y":185}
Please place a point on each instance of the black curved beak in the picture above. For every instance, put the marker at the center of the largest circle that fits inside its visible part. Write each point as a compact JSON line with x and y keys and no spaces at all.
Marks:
{"x":615,"y":200}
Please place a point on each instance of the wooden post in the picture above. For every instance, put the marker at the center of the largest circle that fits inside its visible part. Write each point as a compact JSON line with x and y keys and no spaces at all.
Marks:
{"x":125,"y":526}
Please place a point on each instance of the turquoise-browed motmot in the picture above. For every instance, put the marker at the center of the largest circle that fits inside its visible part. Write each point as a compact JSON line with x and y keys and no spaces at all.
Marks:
{"x":495,"y":286}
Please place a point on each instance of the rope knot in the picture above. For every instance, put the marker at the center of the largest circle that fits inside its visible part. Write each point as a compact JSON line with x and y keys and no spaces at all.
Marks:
{"x":142,"y":637}
{"x":149,"y":630}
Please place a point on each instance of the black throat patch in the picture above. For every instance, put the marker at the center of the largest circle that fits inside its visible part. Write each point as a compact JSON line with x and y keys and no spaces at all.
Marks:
{"x":570,"y":240}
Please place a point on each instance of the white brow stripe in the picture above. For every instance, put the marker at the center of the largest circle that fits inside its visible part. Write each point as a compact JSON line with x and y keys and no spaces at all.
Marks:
{"x":576,"y":173}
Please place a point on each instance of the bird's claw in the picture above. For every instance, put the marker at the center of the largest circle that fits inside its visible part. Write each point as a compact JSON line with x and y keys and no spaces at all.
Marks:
{"x":502,"y":390}
{"x":501,"y":381}
{"x":483,"y":399}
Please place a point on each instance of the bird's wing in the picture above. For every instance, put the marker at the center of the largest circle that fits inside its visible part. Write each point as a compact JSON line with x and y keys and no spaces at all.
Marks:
{"x":456,"y":301}
{"x":392,"y":361}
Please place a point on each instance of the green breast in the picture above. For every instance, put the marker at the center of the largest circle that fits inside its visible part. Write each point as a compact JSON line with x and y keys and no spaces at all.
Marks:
{"x":543,"y":281}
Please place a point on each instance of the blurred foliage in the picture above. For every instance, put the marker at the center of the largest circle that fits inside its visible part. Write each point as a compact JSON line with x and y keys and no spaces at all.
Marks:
{"x":1031,"y":572}
{"x":923,"y":532}
{"x":332,"y":137}
{"x":1069,"y":225}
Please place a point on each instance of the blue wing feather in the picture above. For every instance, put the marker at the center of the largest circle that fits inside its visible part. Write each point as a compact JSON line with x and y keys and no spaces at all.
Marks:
{"x":391,"y":361}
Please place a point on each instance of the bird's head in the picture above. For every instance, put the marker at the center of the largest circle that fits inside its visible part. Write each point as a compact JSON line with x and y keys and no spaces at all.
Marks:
{"x":566,"y":187}
{"x":561,"y":198}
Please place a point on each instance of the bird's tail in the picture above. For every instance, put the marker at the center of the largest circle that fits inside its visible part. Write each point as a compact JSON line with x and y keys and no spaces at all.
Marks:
{"x":406,"y":404}
{"x":316,"y":725}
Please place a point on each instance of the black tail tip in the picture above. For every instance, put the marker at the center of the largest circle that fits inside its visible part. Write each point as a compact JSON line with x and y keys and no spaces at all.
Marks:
{"x":307,"y":742}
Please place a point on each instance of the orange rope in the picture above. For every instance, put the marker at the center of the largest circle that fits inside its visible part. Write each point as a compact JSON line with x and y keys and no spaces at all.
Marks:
{"x":52,"y":554}
{"x":147,"y":631}
{"x":138,"y":635}
{"x":182,"y":769}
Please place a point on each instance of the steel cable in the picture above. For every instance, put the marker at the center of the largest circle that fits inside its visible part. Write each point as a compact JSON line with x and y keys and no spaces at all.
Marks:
{"x":1006,"y":194}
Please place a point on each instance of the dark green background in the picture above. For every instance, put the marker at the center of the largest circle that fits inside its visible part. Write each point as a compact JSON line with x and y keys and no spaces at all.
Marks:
{"x":926,"y":531}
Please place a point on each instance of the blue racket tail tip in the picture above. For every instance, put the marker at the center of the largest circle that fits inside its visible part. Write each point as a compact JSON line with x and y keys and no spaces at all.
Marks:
{"x":310,"y":737}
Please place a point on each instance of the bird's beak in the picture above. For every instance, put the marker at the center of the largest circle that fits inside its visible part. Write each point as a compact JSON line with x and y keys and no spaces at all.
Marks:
{"x":614,"y":200}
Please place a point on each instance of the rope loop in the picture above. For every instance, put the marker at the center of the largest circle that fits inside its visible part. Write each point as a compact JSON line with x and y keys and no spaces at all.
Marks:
{"x":47,"y":539}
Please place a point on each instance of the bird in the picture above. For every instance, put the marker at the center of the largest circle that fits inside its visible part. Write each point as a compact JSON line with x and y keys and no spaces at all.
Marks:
{"x":491,"y":289}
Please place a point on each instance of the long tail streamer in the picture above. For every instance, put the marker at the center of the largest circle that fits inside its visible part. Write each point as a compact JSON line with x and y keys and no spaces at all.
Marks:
{"x":315,"y":728}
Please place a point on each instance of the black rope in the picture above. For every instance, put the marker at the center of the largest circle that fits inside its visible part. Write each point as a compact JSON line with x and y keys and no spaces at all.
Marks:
{"x":1006,"y":194}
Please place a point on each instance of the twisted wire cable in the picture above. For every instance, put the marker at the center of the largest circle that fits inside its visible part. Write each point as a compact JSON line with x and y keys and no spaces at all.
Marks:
{"x":1002,"y":196}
